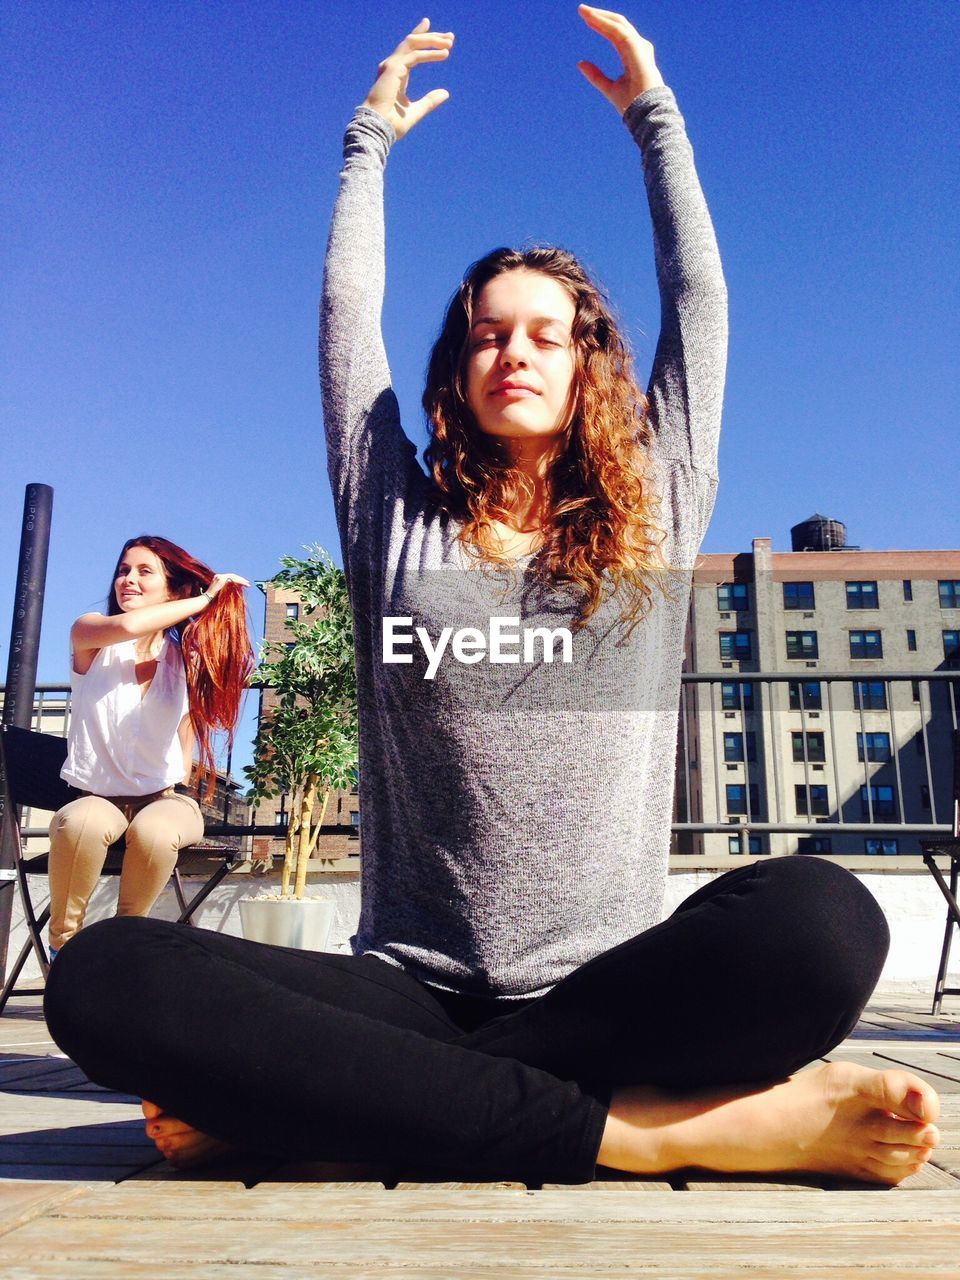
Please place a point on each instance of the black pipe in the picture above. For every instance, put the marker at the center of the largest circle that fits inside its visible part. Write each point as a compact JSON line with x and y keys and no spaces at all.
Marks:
{"x":22,"y":668}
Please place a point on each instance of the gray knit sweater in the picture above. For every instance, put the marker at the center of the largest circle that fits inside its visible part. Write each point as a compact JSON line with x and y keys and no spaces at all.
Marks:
{"x":516,"y":814}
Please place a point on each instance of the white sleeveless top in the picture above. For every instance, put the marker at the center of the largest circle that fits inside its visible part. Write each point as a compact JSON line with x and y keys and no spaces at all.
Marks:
{"x":119,"y":743}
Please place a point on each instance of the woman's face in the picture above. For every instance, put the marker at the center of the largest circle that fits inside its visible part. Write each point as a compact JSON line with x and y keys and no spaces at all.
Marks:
{"x":520,"y":362}
{"x":140,"y":580}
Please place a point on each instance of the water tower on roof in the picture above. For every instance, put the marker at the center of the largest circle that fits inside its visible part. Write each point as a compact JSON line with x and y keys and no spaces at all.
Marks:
{"x":819,"y":533}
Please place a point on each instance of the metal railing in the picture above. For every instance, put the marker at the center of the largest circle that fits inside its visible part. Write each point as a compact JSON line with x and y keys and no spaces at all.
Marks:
{"x":847,"y":702}
{"x":864,"y":723}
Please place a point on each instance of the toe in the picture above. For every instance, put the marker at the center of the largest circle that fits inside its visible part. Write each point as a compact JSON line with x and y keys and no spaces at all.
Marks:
{"x":886,"y":1153}
{"x":923,"y":1101}
{"x":903,"y":1133}
{"x":889,"y":1173}
{"x":907,"y":1096}
{"x":168,"y":1127}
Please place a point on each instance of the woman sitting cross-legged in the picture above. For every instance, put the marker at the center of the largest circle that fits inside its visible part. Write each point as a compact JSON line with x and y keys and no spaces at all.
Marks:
{"x":515,"y":1006}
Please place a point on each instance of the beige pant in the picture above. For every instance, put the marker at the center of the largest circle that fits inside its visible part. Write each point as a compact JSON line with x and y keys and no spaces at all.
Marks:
{"x":157,"y":826}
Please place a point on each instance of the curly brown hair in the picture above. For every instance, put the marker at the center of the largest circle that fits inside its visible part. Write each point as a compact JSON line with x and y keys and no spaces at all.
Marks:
{"x":600,"y":530}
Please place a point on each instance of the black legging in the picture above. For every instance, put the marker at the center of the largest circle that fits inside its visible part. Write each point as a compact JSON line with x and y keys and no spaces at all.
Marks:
{"x":348,"y":1058}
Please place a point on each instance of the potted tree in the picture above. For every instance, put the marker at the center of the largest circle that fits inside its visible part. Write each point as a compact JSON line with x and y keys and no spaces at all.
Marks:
{"x":307,"y":742}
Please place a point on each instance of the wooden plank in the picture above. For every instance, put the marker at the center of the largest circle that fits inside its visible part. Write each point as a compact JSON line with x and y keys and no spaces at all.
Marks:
{"x":340,"y":1186}
{"x":209,"y":1202}
{"x":26,"y":1153}
{"x":928,"y":1021}
{"x":581,"y":1267}
{"x":27,"y":1041}
{"x":887,"y":1056}
{"x":120,"y":1133}
{"x":610,"y":1184}
{"x":897,"y":1029}
{"x":927,"y":1063}
{"x":237,"y":1176}
{"x":724,"y":1182}
{"x":323,"y":1173}
{"x":461,"y":1186}
{"x":39,"y":1072}
{"x":539,"y":1247}
{"x":61,"y":1173}
{"x":932,"y":1178}
{"x":21,"y":1201}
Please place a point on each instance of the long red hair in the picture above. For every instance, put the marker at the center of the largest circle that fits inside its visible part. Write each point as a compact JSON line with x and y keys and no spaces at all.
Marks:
{"x":215,"y":646}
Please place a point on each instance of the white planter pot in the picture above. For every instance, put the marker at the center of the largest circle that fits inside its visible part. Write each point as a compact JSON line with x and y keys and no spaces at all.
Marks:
{"x":288,"y":922}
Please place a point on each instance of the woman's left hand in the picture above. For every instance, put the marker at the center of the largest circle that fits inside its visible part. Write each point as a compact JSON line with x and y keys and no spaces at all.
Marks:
{"x":639,"y":65}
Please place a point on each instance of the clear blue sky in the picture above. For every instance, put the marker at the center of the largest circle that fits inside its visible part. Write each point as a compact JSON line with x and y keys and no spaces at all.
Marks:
{"x":167,"y":180}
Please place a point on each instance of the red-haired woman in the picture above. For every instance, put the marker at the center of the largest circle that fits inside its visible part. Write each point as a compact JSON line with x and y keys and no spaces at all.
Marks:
{"x":153,"y":679}
{"x":515,"y":1005}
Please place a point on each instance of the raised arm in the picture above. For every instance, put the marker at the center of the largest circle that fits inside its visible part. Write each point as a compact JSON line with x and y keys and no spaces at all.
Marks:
{"x":686,"y":384}
{"x":360,"y":411}
{"x":94,"y":631}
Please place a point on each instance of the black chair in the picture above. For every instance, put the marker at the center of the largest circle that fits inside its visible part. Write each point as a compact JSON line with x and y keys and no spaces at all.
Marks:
{"x":31,"y":769}
{"x":948,"y":847}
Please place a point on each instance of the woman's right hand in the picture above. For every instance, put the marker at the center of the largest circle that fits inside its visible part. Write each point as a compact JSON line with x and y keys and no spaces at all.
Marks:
{"x":388,"y":97}
{"x":220,"y":580}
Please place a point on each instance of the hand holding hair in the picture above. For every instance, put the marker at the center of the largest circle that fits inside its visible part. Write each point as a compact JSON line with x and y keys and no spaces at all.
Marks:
{"x":219,"y":581}
{"x":388,"y":97}
{"x":639,"y":65}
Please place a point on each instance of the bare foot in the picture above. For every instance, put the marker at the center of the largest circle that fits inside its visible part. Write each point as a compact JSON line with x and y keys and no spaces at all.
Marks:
{"x":183,"y":1146}
{"x":838,"y":1118}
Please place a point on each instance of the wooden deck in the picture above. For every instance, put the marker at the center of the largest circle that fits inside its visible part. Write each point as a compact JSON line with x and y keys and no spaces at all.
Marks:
{"x":82,"y":1194}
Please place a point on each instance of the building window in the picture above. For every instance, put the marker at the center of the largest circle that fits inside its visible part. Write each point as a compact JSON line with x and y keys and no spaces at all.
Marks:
{"x":735,"y":844}
{"x":290,"y":646}
{"x":866,"y":644}
{"x":951,"y":644}
{"x":815,"y":844}
{"x":737,"y":798}
{"x":732,"y":597}
{"x":802,"y":644}
{"x":354,"y":825}
{"x":798,"y":595}
{"x":733,"y":747}
{"x":293,"y":611}
{"x":355,"y":786}
{"x":809,"y":692}
{"x":731,"y":692}
{"x":878,"y":746}
{"x":735,"y":644}
{"x":862,"y":595}
{"x":881,"y":797}
{"x":907,"y":594}
{"x":870,"y":694}
{"x":911,"y":642}
{"x":949,"y":595}
{"x":878,"y":847}
{"x":814,"y":747}
{"x":819,"y":805}
{"x":915,"y":690}
{"x":924,"y":796}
